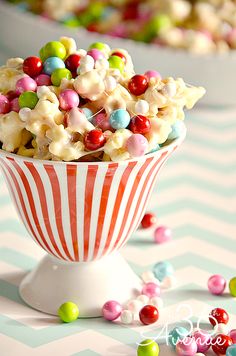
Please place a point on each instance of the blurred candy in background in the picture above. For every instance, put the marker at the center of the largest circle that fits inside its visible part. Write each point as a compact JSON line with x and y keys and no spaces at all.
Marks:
{"x":194,"y":39}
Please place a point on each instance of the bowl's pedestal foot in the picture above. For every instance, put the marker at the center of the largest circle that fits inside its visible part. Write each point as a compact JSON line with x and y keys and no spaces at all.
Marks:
{"x":88,"y":284}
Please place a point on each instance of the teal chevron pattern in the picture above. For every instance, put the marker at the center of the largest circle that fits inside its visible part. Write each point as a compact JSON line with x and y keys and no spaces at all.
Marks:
{"x":195,"y":196}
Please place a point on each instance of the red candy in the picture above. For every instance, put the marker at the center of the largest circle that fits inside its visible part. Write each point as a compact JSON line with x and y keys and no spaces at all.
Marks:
{"x":140,"y":124}
{"x":73,"y":62}
{"x":94,"y":140}
{"x":138,"y":84}
{"x":148,"y":314}
{"x":220,"y":344}
{"x":219,"y":315}
{"x":119,"y":54}
{"x":32,"y":66}
{"x":148,"y":220}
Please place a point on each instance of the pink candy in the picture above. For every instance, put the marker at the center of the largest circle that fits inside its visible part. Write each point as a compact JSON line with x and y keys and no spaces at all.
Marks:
{"x":151,"y":289}
{"x":25,"y":84}
{"x":203,"y":340}
{"x":68,"y":99}
{"x":96,"y":54}
{"x":162,"y":234}
{"x":152,"y":74}
{"x":137,"y":145}
{"x":14,"y":105}
{"x":232,"y":334}
{"x":43,"y":79}
{"x":111,"y":310}
{"x":216,"y":284}
{"x":4,"y":104}
{"x":186,"y":347}
{"x":101,"y":120}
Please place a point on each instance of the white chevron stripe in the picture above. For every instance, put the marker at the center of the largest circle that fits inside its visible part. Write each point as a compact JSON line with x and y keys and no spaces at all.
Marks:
{"x":187,"y":193}
{"x":178,"y":247}
{"x":80,"y":186}
{"x":215,"y":135}
{"x":11,"y":274}
{"x":213,"y":117}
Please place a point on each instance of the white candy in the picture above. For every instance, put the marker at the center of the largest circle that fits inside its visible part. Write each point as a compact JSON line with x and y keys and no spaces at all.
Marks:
{"x":134,"y":306}
{"x":221,"y":329}
{"x":141,"y":107}
{"x":110,"y":83}
{"x":86,"y":64}
{"x":126,"y":317}
{"x":148,"y":276}
{"x":169,"y":89}
{"x":157,"y":302}
{"x":24,"y":114}
{"x":143,"y":299}
{"x":102,"y":63}
{"x":169,"y":282}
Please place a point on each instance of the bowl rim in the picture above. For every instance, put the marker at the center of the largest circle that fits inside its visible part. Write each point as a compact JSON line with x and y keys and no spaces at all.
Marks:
{"x":176,"y":142}
{"x":82,"y":31}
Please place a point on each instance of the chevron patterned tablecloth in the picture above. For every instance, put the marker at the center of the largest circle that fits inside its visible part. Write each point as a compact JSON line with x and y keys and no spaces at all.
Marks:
{"x":195,"y":196}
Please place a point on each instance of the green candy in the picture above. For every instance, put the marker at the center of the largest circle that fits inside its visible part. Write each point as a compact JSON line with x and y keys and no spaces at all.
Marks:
{"x":101,"y":46}
{"x":232,"y":287}
{"x":59,"y":74}
{"x":148,"y":347}
{"x":116,"y":62}
{"x":68,"y":312}
{"x":72,"y":22}
{"x":54,"y":49}
{"x":96,"y":9}
{"x":28,"y":99}
{"x":157,"y":24}
{"x":42,"y":55}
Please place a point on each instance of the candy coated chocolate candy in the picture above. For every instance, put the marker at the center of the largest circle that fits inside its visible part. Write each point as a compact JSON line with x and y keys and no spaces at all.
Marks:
{"x":163,"y":269}
{"x":96,"y":54}
{"x":119,"y":119}
{"x":54,"y":49}
{"x":137,"y":145}
{"x":177,"y":334}
{"x":126,"y":317}
{"x":218,"y":315}
{"x":14,"y":105}
{"x":51,"y":64}
{"x":148,"y":347}
{"x":68,"y":312}
{"x":88,"y":113}
{"x":43,"y":79}
{"x":100,"y":46}
{"x":148,"y":314}
{"x":25,"y":84}
{"x":28,"y":99}
{"x":59,"y":74}
{"x":138,"y":84}
{"x":162,"y":234}
{"x":186,"y":347}
{"x":151,"y":289}
{"x":203,"y":340}
{"x":111,"y":310}
{"x":152,"y":74}
{"x":72,"y":62}
{"x":119,"y":54}
{"x":231,"y":350}
{"x":220,"y":343}
{"x":140,"y":124}
{"x":94,"y":140}
{"x":232,"y":287}
{"x":216,"y":284}
{"x":148,"y":220}
{"x":177,"y":130}
{"x":68,"y":99}
{"x":232,"y":334}
{"x":116,"y":62}
{"x":4,"y":104}
{"x":32,"y":66}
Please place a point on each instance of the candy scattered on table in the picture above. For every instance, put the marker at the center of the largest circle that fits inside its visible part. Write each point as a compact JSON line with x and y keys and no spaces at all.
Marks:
{"x":198,"y":26}
{"x":162,"y":234}
{"x":186,"y":347}
{"x":148,"y":347}
{"x":216,"y":284}
{"x":203,"y":340}
{"x":111,"y":310}
{"x":148,"y":220}
{"x":231,"y":350}
{"x":68,"y":312}
{"x":162,"y":270}
{"x":148,"y":314}
{"x":232,"y":286}
{"x":151,"y":289}
{"x":76,"y":105}
{"x":219,"y":316}
{"x":177,"y":334}
{"x":220,"y":344}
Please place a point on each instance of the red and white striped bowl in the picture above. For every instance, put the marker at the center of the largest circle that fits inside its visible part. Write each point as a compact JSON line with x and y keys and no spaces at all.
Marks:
{"x":82,"y":211}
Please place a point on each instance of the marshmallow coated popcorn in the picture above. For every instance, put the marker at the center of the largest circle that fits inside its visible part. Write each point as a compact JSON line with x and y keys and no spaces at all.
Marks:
{"x":89,"y":109}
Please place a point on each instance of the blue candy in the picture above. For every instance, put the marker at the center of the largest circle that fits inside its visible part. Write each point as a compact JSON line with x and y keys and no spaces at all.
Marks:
{"x":162,"y":270}
{"x":231,"y":350}
{"x":51,"y":64}
{"x":177,"y":129}
{"x":88,"y":113}
{"x":119,"y":119}
{"x":154,"y":149}
{"x":177,"y":334}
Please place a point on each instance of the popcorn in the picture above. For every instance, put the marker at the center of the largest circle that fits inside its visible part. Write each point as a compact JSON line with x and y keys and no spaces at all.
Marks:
{"x":97,"y":109}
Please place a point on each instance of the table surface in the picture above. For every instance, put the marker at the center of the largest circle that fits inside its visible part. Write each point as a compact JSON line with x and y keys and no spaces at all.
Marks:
{"x":195,"y":195}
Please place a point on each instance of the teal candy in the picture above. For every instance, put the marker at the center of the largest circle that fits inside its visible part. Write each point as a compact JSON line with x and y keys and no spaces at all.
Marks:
{"x":154,"y":149}
{"x":51,"y":64}
{"x":231,"y":351}
{"x":119,"y":119}
{"x":177,"y":129}
{"x":162,"y":270}
{"x":176,"y":334}
{"x":88,"y":113}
